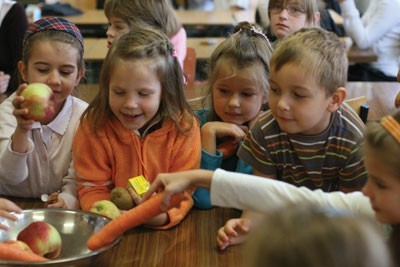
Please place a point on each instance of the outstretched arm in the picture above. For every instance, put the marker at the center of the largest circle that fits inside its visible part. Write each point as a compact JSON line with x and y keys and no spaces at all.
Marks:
{"x":177,"y":182}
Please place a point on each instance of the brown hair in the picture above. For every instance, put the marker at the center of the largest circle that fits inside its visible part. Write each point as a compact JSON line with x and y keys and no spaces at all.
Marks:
{"x":155,"y":13}
{"x":304,"y":235}
{"x":317,"y":51}
{"x":152,"y":47}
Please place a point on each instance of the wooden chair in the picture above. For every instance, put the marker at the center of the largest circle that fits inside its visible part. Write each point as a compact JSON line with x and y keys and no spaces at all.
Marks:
{"x":189,"y":67}
{"x":360,"y":106}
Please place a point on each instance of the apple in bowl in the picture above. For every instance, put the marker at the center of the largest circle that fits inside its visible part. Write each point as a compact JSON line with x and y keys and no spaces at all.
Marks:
{"x":39,"y":100}
{"x":43,"y":238}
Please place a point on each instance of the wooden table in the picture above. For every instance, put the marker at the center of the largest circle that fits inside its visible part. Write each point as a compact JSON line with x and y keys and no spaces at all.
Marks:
{"x":191,"y":243}
{"x":380,"y":96}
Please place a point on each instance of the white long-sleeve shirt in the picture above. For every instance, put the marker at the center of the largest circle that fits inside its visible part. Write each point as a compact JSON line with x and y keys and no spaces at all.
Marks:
{"x":248,"y":192}
{"x":47,"y":166}
{"x":378,"y":28}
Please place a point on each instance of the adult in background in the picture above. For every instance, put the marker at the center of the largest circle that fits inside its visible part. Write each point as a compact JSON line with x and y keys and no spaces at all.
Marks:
{"x":379,"y":29}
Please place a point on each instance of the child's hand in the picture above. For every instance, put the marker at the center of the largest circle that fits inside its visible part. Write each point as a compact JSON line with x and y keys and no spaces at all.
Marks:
{"x":235,"y":231}
{"x":135,"y":197}
{"x":6,"y":207}
{"x":20,"y":113}
{"x":55,"y":202}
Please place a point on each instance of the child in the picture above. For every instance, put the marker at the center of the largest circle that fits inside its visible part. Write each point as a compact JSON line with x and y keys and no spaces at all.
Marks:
{"x":379,"y":198}
{"x":124,"y":15}
{"x":328,"y":238}
{"x":237,"y":89}
{"x":308,"y":138}
{"x":288,"y":16}
{"x":36,"y":156}
{"x":378,"y":28}
{"x":138,"y":124}
{"x":6,"y":206}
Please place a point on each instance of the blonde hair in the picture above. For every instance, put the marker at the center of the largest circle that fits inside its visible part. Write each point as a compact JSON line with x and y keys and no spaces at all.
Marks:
{"x":312,"y":236}
{"x":246,"y":47}
{"x":319,"y":52}
{"x":155,"y":13}
{"x":151,"y":47}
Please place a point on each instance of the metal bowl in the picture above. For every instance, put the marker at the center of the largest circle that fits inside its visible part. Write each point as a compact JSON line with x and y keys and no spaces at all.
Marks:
{"x":75,"y":228}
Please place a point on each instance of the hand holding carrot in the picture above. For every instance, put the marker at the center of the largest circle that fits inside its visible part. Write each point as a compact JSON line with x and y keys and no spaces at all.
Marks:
{"x":6,"y":207}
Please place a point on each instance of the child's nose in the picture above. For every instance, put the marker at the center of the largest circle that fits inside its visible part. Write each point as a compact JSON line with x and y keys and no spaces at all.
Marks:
{"x":234,"y":101}
{"x":131,"y":102}
{"x":54,"y":78}
{"x":283,"y":103}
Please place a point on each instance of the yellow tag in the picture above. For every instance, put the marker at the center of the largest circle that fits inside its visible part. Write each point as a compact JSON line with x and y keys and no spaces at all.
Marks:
{"x":139,"y":184}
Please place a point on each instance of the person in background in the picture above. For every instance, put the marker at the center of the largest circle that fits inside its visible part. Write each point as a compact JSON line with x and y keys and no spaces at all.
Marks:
{"x":7,"y":206}
{"x":378,"y":200}
{"x":328,"y":237}
{"x":237,"y":90}
{"x":138,"y":124}
{"x":124,"y":15}
{"x":218,"y":5}
{"x":36,"y":156}
{"x":13,"y":24}
{"x":379,"y":29}
{"x":288,"y":16}
{"x":307,"y":138}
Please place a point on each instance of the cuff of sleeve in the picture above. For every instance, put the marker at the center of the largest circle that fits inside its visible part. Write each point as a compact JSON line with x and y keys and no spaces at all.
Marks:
{"x":70,"y":200}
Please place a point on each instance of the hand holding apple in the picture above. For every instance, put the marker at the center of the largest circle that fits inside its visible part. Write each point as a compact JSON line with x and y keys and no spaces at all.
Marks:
{"x":105,"y":208}
{"x":42,"y":238}
{"x":38,"y":99}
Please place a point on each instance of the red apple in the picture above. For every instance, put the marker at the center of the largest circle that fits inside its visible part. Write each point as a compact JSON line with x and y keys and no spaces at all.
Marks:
{"x":43,"y":238}
{"x":105,"y":208}
{"x":38,"y":99}
{"x":19,"y":244}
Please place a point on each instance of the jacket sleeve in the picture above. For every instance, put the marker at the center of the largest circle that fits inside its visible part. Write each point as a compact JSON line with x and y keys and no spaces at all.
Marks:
{"x":186,"y":157}
{"x":93,"y":170}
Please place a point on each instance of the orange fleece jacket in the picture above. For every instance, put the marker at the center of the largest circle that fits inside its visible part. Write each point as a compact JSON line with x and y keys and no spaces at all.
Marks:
{"x":115,"y":154}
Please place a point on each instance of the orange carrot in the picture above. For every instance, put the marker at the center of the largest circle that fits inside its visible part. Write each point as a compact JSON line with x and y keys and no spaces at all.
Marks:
{"x":228,"y":148}
{"x":130,"y":219}
{"x":9,"y":252}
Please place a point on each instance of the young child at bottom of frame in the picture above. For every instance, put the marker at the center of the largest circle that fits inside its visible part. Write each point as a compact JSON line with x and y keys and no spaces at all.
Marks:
{"x":139,"y":123}
{"x":237,"y":91}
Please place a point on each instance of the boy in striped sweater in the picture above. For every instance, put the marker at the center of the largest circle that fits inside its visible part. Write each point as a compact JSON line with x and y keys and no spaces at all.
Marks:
{"x":309,"y":137}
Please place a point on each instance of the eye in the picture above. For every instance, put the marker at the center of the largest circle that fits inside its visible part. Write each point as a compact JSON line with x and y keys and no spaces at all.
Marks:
{"x":248,"y":94}
{"x":274,"y":90}
{"x":223,"y":91}
{"x":297,"y":95}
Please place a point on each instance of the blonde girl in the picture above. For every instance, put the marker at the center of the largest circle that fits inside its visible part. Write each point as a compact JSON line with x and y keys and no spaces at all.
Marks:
{"x":138,"y":124}
{"x":237,"y":90}
{"x":124,"y":15}
{"x":36,"y":156}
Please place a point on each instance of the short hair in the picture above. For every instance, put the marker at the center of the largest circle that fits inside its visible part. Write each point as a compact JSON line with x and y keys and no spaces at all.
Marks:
{"x":312,"y":236}
{"x":155,"y":13}
{"x":319,"y":52}
{"x":310,"y":7}
{"x":245,"y":47}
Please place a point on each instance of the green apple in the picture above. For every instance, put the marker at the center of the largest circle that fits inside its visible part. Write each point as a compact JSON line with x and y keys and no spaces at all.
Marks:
{"x":43,"y":238}
{"x":105,"y":208}
{"x":38,"y":99}
{"x":121,"y":198}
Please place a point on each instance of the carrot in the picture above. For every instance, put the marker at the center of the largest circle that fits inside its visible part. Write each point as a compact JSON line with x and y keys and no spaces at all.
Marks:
{"x":130,"y":219}
{"x":228,"y":148}
{"x":9,"y":252}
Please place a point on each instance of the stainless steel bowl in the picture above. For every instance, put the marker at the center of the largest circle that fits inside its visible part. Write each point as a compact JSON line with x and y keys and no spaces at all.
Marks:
{"x":75,"y":228}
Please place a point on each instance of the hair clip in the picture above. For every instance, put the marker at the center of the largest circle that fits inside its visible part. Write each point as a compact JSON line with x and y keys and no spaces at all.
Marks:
{"x":256,"y":31}
{"x":392,"y":126}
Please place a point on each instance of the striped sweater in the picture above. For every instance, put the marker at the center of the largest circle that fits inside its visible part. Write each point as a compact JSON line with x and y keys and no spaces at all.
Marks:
{"x":326,"y":161}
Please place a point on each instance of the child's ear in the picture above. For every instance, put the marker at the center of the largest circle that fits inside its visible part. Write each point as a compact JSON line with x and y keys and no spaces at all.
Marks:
{"x":23,"y":70}
{"x":337,"y":99}
{"x":81,"y":73}
{"x":317,"y":18}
